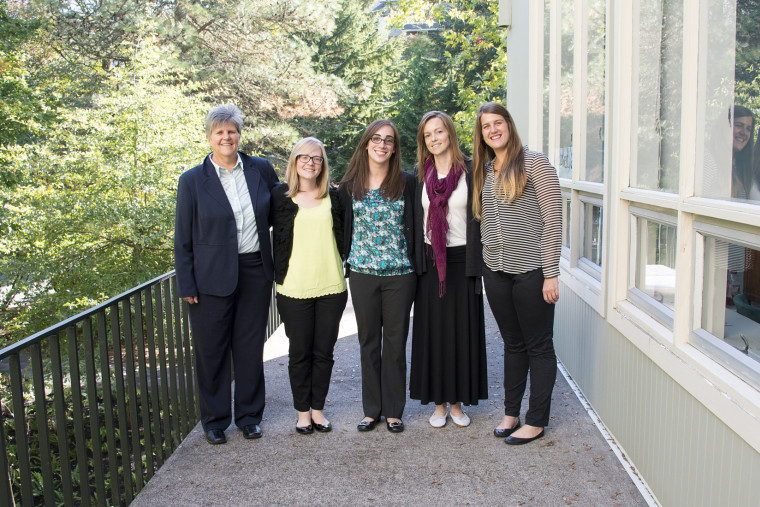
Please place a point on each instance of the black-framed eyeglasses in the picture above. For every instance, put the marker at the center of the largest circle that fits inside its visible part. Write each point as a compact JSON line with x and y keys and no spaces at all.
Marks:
{"x":302,"y":157}
{"x":377,"y":139}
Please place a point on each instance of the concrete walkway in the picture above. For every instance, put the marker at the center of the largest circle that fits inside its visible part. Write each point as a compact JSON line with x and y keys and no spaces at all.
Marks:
{"x":572,"y":465}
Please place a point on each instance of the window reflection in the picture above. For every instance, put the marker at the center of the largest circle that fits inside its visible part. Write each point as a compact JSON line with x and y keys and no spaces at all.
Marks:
{"x":565,"y":164}
{"x":656,"y":261}
{"x":660,"y":45}
{"x":592,"y":233}
{"x":595,"y":105}
{"x":731,"y":168}
{"x":565,"y":222}
{"x":731,"y":295}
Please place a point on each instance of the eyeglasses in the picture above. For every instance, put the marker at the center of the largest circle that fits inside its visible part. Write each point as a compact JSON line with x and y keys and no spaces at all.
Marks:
{"x":303,"y":158}
{"x":377,"y":139}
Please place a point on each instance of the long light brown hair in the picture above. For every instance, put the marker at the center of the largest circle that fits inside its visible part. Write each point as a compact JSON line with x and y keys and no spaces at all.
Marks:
{"x":457,"y":157}
{"x":510,"y":182}
{"x":291,"y":173}
{"x":356,"y":178}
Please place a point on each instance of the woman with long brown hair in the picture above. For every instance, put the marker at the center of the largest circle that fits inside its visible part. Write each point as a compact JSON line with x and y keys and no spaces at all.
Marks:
{"x":379,"y":222}
{"x":448,"y":336}
{"x":518,"y":201}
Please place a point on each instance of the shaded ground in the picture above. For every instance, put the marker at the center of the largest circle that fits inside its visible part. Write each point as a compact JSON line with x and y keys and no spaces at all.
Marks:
{"x":572,"y":465}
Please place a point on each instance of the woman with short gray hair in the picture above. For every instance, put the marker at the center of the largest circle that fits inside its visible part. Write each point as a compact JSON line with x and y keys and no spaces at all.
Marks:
{"x":224,"y":267}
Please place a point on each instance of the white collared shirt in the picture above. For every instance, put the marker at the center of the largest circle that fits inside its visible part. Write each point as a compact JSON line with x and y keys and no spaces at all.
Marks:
{"x":236,"y":188}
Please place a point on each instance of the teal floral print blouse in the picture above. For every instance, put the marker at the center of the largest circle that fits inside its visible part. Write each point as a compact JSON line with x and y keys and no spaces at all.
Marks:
{"x":378,"y":246}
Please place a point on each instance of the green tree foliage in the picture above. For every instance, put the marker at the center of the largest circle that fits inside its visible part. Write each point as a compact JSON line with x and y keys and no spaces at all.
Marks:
{"x":95,"y":214}
{"x":475,"y":53}
{"x":365,"y":61}
{"x":23,"y":109}
{"x":257,"y":54}
{"x":427,"y":86}
{"x":748,"y":54}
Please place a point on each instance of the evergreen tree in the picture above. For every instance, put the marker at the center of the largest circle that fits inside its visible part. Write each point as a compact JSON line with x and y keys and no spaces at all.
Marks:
{"x":365,"y":62}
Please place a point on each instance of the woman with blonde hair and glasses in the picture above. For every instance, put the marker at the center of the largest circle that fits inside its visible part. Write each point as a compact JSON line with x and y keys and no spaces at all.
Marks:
{"x":448,"y":337}
{"x":518,"y":202}
{"x":378,"y":199}
{"x":311,"y":289}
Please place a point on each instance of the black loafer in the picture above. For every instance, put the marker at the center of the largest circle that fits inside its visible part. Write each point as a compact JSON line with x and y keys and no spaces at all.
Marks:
{"x":505,"y":432}
{"x":304,"y":430}
{"x":216,"y":436}
{"x":366,"y":425}
{"x":520,"y":441}
{"x":322,"y":428}
{"x":251,"y":431}
{"x":395,"y":426}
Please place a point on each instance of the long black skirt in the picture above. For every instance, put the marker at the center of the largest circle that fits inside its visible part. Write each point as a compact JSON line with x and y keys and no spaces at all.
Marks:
{"x":448,"y":340}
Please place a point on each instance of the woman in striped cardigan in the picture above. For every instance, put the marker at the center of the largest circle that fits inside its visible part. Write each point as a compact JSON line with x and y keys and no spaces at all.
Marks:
{"x":518,"y":202}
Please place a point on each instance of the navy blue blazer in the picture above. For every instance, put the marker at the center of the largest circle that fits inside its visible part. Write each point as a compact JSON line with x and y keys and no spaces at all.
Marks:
{"x":205,"y":233}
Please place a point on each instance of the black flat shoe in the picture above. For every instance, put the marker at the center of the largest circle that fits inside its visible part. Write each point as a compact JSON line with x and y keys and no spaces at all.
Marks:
{"x":505,"y":432}
{"x":366,"y":425}
{"x":216,"y":436}
{"x":304,"y":430}
{"x":251,"y":431}
{"x":520,"y":441}
{"x":322,"y":428}
{"x":395,"y":427}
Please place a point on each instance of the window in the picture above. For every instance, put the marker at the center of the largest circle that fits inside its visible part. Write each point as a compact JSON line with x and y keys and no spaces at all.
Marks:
{"x":566,"y":224}
{"x":731,"y":305}
{"x":591,"y":241}
{"x":595,"y":98}
{"x":658,"y":132}
{"x":653,"y":280}
{"x":731,"y":161}
{"x":565,"y":159}
{"x":547,"y":68}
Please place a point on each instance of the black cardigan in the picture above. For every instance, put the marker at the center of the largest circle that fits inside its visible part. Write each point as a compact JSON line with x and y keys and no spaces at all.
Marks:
{"x":346,"y":201}
{"x":284,"y":212}
{"x":474,"y":247}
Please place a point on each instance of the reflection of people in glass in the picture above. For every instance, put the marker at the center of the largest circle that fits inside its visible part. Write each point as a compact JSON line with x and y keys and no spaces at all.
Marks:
{"x":742,"y":175}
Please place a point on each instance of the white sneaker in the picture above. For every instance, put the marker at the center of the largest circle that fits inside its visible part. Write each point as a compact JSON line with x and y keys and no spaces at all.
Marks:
{"x":462,"y":421}
{"x":437,"y":421}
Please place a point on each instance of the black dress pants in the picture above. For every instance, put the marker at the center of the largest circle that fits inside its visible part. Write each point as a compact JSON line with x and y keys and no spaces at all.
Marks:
{"x":382,"y":305}
{"x":526,"y":323}
{"x":232,"y":329}
{"x":312,"y":326}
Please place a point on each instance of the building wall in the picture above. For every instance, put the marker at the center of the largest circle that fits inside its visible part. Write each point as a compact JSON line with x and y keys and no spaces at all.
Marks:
{"x":644,"y":322}
{"x":683,"y":451}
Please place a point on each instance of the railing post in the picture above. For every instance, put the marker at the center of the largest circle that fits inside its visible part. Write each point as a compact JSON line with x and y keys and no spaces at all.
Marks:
{"x":43,"y":436}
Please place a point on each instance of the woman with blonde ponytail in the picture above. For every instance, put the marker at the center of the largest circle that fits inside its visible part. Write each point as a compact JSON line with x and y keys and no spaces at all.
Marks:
{"x":518,"y":202}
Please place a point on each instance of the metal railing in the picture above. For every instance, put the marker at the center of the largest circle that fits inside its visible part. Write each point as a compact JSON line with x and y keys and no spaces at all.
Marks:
{"x":93,"y":406}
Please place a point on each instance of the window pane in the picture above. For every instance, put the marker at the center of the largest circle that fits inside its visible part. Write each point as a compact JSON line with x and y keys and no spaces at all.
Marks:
{"x":731,"y":296}
{"x":592,"y":233}
{"x":656,"y":261}
{"x":595,"y":106}
{"x":732,"y":102}
{"x":547,"y":66}
{"x":565,"y":221}
{"x":660,"y":34}
{"x":565,"y":166}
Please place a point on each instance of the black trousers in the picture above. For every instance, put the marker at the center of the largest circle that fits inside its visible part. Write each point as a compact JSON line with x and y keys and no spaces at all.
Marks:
{"x":312,"y":327}
{"x":227,"y":330}
{"x":526,"y":323}
{"x":382,"y":305}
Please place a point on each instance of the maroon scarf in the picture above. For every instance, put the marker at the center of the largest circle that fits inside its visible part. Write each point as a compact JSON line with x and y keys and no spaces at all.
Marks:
{"x":439,"y":191}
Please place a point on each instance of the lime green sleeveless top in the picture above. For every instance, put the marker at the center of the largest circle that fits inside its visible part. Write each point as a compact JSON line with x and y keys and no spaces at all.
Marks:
{"x":315,"y":268}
